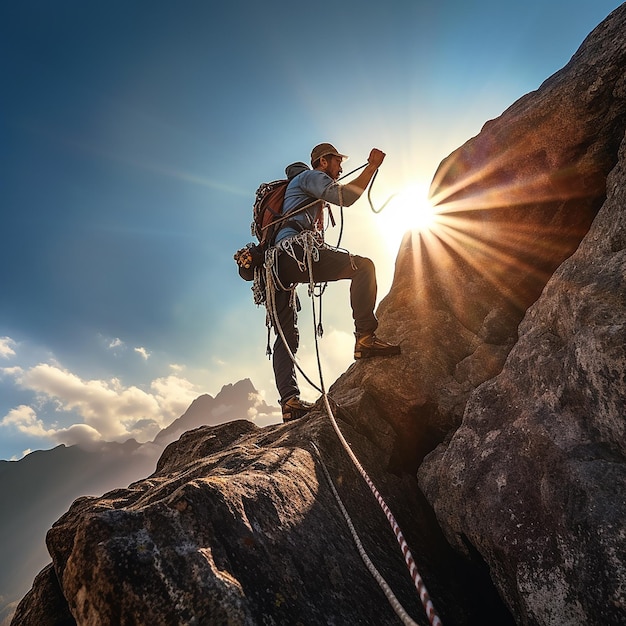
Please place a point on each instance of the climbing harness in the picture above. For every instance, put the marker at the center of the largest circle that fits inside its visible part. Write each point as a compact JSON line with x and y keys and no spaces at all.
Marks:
{"x":311,"y":242}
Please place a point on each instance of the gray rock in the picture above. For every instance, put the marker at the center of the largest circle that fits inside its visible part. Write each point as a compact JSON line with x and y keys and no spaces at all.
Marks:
{"x":534,"y":479}
{"x":239,"y":526}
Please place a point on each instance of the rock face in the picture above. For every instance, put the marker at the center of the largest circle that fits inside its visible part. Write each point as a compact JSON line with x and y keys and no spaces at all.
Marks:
{"x":535,"y":479}
{"x":41,"y":486}
{"x":507,"y":405}
{"x":239,"y":526}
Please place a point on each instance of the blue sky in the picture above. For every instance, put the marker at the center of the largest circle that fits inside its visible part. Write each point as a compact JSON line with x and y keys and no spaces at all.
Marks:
{"x":132,"y":138}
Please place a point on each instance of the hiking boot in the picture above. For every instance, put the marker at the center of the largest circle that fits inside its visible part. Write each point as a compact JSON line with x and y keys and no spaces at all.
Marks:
{"x":294,"y":409}
{"x":368,"y":345}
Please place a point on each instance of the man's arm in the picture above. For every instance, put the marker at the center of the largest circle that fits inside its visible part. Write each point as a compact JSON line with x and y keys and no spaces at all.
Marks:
{"x":360,"y":183}
{"x":320,"y":185}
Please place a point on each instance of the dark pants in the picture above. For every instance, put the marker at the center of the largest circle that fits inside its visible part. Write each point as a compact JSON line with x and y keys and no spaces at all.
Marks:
{"x":332,"y":265}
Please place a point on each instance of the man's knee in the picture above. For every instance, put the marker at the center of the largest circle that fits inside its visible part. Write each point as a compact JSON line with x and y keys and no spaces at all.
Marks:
{"x":364,"y":265}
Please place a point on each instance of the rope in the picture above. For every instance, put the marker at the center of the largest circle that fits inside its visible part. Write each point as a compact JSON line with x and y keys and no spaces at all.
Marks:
{"x":272,"y":314}
{"x":272,"y":282}
{"x":382,"y":583}
{"x":429,"y":607}
{"x":369,"y":196}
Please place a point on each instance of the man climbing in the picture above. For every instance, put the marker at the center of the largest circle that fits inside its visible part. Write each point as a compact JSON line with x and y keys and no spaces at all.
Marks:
{"x":300,"y":256}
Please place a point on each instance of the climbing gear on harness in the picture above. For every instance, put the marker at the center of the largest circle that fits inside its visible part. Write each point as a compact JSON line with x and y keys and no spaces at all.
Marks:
{"x":248,"y":259}
{"x":244,"y":257}
{"x":294,"y":409}
{"x":304,"y":249}
{"x":369,"y":345}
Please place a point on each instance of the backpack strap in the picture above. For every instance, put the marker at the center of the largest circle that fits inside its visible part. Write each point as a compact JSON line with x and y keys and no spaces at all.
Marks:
{"x":288,"y":220}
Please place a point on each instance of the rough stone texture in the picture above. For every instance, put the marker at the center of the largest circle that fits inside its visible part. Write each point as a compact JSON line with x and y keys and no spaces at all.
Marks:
{"x":238,"y":526}
{"x":535,"y":478}
{"x":519,"y":442}
{"x":515,"y":202}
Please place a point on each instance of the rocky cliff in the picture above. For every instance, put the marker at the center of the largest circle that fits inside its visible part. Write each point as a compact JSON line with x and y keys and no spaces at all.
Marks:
{"x":505,"y":410}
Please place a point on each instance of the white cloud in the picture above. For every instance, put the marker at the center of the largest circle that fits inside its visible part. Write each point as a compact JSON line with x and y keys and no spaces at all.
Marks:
{"x":143,"y":352}
{"x":78,"y":434}
{"x":24,"y":453}
{"x":174,"y":394}
{"x":258,"y":404}
{"x":11,"y":371}
{"x":24,"y":419}
{"x":115,"y":343}
{"x":110,"y":410}
{"x":6,"y":347}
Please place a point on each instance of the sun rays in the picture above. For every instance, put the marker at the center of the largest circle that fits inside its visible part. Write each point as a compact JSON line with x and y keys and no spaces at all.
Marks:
{"x":503,"y":228}
{"x":409,"y":210}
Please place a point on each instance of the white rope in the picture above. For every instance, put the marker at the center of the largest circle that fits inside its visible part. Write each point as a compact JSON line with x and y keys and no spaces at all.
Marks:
{"x":382,"y":583}
{"x":429,"y":608}
{"x":272,"y":283}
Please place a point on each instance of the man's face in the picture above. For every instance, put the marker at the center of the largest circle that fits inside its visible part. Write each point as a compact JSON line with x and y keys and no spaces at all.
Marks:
{"x":333,"y":166}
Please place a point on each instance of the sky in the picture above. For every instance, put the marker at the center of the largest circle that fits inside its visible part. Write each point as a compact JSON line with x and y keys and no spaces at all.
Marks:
{"x":133,"y":136}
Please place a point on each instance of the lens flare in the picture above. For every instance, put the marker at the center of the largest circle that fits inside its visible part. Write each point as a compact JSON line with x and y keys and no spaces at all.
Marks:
{"x":409,"y":210}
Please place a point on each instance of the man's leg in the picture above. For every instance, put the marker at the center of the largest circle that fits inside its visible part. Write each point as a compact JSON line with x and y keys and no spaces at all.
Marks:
{"x":284,"y":369}
{"x":336,"y":265}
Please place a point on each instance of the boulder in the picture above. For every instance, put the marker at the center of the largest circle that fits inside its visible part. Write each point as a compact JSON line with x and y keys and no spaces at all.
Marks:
{"x":534,"y":480}
{"x":239,"y":525}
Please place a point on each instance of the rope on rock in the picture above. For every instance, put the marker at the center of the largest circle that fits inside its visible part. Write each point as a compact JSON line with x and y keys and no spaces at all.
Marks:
{"x":382,"y":583}
{"x":424,"y":596}
{"x":427,"y":603}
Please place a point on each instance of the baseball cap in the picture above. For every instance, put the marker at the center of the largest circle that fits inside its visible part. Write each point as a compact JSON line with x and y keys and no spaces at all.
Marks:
{"x":324,"y":149}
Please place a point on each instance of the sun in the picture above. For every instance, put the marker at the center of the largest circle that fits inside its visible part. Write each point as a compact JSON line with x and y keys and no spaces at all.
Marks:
{"x":409,"y":210}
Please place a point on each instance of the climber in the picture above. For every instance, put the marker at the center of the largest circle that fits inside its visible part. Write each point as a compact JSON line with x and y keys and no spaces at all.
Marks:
{"x":303,"y":257}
